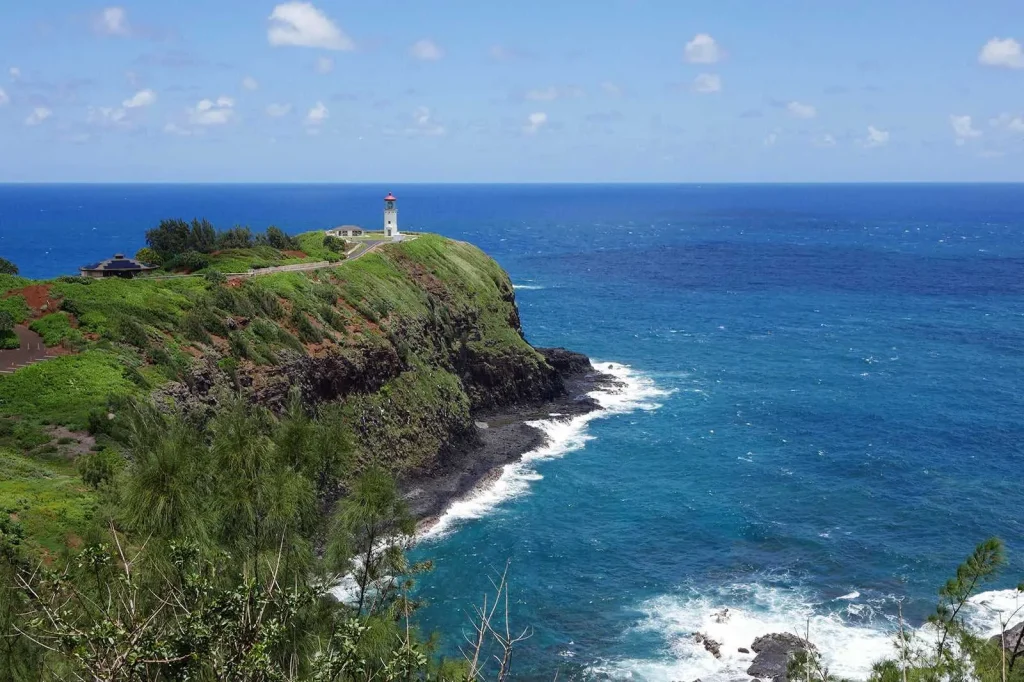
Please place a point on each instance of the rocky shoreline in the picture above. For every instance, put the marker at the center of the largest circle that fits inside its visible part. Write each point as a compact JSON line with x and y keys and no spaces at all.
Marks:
{"x":502,"y":437}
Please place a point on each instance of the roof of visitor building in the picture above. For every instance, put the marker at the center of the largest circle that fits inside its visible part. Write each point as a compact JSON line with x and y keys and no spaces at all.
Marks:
{"x":119,"y":263}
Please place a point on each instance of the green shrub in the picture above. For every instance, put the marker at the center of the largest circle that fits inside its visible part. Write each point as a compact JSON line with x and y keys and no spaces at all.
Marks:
{"x":56,"y":329}
{"x":75,"y":279}
{"x":131,"y":332}
{"x":190,"y":261}
{"x":307,"y":332}
{"x":264,"y":300}
{"x":193,"y":329}
{"x":148,"y":256}
{"x":7,"y":267}
{"x":16,"y":307}
{"x":334,"y":244}
{"x":9,"y":341}
{"x":215,"y":277}
{"x":100,"y":467}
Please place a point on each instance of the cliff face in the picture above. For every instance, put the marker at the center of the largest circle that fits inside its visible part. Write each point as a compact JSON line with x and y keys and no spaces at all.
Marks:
{"x":414,"y":340}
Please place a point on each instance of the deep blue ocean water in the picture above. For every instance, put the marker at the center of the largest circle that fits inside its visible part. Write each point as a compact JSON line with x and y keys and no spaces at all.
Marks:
{"x":826,"y":400}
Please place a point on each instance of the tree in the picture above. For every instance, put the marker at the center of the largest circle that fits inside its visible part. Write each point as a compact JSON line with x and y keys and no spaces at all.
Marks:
{"x":372,"y":529}
{"x":6,"y":322}
{"x":334,"y":244}
{"x":7,"y":267}
{"x":236,"y":238}
{"x":277,"y":238}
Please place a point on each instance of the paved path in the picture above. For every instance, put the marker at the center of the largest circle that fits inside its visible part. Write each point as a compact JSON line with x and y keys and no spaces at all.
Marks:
{"x":32,"y":350}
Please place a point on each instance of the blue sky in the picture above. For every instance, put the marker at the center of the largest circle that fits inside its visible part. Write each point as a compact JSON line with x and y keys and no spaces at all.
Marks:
{"x":545,"y":91}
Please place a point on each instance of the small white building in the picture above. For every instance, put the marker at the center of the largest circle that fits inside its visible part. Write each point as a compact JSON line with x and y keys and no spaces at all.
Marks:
{"x":346,"y":231}
{"x":390,"y":217}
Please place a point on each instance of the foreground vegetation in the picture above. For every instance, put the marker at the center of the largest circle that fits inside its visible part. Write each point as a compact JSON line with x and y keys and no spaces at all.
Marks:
{"x":212,"y":558}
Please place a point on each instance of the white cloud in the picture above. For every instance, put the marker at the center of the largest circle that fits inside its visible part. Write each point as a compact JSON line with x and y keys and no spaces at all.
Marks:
{"x":113,"y":21}
{"x":707,"y":83}
{"x":963,"y":128}
{"x":611,"y":89}
{"x":825,"y":141}
{"x":548,"y":94}
{"x":175,"y":129}
{"x":4,"y":99}
{"x":143,"y":98}
{"x":425,"y":124}
{"x":250,"y":83}
{"x":317,"y":115}
{"x":551,"y":93}
{"x":876,"y":137}
{"x":426,"y":51}
{"x":535,"y":122}
{"x":801,"y":110}
{"x":324,"y":65}
{"x":300,"y":24}
{"x":108,"y":116}
{"x":771,"y":139}
{"x":212,"y":113}
{"x":703,"y":50}
{"x":1006,"y":53}
{"x":38,"y":115}
{"x":15,"y":73}
{"x":278,"y":110}
{"x":1009,"y":121}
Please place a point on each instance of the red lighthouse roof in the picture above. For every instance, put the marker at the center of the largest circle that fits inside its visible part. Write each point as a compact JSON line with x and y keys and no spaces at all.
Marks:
{"x":390,"y":197}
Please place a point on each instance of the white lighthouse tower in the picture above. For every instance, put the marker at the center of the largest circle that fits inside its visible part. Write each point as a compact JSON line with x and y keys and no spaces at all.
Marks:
{"x":390,"y":217}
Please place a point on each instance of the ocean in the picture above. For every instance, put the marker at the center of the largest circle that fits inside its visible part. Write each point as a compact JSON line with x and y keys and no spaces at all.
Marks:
{"x":821,"y":412}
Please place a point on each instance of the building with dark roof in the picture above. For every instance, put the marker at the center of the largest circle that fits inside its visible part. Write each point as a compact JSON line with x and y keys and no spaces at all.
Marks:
{"x":118,"y":266}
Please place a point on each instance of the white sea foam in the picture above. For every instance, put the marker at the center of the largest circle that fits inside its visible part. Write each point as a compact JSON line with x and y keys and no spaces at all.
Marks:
{"x":848,"y":648}
{"x":990,"y":609}
{"x":527,"y":287}
{"x":631,"y":391}
{"x":735,"y":616}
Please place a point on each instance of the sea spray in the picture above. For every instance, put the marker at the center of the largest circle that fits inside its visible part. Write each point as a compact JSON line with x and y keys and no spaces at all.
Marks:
{"x":735,"y":615}
{"x":630,"y":390}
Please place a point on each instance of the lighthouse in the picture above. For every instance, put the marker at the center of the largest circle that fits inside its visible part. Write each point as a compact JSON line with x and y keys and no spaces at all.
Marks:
{"x":390,"y":217}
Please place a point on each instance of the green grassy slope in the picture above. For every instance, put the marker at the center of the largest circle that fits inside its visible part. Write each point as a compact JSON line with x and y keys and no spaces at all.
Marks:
{"x":411,"y":337}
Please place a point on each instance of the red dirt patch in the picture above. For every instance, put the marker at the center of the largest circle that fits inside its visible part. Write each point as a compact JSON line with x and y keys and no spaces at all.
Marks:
{"x":234,"y":282}
{"x":37,"y":296}
{"x":295,"y":254}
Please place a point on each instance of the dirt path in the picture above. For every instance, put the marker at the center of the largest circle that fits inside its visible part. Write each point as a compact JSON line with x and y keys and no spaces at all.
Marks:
{"x":32,"y":350}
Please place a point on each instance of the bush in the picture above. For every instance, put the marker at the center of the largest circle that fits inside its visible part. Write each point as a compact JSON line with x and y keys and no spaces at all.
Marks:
{"x":6,"y":322}
{"x":215,"y":277}
{"x":190,"y":261}
{"x":276,"y":238}
{"x":55,"y":329}
{"x":307,"y":332}
{"x":9,"y":341}
{"x":148,"y":256}
{"x":132,"y":333}
{"x":75,"y":279}
{"x":16,"y":306}
{"x":99,"y":468}
{"x":7,"y":267}
{"x":334,"y":244}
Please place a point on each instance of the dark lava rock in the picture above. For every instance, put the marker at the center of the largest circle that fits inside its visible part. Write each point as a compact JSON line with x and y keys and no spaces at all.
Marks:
{"x":773,"y":654}
{"x":713,"y":647}
{"x":743,"y":650}
{"x":1014,"y":637}
{"x":566,"y":362}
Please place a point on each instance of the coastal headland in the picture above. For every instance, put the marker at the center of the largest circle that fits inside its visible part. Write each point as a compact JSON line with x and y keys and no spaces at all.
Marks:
{"x":420,"y":341}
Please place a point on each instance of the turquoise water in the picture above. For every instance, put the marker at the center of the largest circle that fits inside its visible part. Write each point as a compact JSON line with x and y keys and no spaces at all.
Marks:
{"x":823,"y":412}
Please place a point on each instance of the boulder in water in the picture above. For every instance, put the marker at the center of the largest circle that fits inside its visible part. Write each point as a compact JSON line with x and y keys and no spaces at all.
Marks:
{"x":773,"y":655}
{"x":1012,"y":639}
{"x":713,"y":647}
